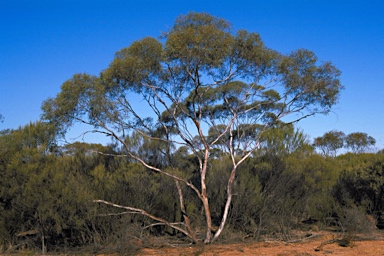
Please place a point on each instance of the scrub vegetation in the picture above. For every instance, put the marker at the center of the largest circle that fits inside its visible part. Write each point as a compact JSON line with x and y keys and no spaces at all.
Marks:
{"x":203,"y":148}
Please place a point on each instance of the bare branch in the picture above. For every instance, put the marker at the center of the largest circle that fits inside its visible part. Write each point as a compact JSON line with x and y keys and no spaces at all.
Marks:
{"x":163,"y":224}
{"x":143,"y":212}
{"x":116,"y":214}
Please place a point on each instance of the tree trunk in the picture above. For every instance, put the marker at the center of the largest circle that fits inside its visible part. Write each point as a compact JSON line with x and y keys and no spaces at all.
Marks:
{"x":184,"y":213}
{"x":43,"y":248}
{"x":204,"y":196}
{"x":227,"y":204}
{"x":207,"y":211}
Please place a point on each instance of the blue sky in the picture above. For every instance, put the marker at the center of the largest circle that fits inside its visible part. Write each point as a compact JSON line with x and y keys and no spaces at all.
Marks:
{"x":43,"y":43}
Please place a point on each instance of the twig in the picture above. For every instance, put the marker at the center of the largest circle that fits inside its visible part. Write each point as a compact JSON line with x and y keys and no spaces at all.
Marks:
{"x":116,"y":214}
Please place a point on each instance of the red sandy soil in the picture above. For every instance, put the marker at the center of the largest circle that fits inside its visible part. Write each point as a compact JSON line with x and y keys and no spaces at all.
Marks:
{"x":318,"y":244}
{"x":306,"y":247}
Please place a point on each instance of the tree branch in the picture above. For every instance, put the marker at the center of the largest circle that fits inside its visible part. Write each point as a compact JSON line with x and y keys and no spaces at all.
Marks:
{"x":145,"y":213}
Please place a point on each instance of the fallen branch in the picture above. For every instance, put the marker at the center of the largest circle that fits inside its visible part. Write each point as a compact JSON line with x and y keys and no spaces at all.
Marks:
{"x":145,"y":213}
{"x":115,"y":214}
{"x":28,"y":233}
{"x":305,"y":238}
{"x":162,"y":224}
{"x":335,"y":239}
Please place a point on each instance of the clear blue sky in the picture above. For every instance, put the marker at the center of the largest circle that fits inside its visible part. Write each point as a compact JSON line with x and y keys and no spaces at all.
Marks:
{"x":43,"y":43}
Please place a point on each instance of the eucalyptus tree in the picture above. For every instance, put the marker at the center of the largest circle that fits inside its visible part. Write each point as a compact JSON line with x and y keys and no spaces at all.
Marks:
{"x":359,"y":142}
{"x":202,"y":86}
{"x":330,"y":142}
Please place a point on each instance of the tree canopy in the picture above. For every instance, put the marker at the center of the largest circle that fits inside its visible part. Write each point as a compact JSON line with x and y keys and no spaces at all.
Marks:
{"x":330,"y":142}
{"x":359,"y":141}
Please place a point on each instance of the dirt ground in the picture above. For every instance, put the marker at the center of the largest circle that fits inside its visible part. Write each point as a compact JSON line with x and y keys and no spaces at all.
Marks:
{"x":322,"y":244}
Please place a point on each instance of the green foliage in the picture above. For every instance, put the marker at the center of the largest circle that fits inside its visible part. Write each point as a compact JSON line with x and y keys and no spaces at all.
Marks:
{"x":217,"y":180}
{"x":40,"y":193}
{"x":359,"y":142}
{"x":362,"y":179}
{"x":319,"y":173}
{"x":169,"y":78}
{"x":199,"y":39}
{"x":248,"y":200}
{"x":318,"y":176}
{"x":47,"y":190}
{"x":283,"y":140}
{"x":330,"y":142}
{"x":317,"y":85}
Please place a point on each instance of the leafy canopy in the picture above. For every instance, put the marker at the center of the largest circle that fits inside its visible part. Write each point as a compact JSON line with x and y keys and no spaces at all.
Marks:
{"x":201,"y":72}
{"x":330,"y":142}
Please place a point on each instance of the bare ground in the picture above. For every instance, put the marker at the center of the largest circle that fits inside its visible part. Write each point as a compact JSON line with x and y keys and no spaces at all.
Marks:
{"x":319,"y":244}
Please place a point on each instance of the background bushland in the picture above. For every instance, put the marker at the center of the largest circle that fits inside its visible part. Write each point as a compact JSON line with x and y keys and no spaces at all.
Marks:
{"x":46,"y":192}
